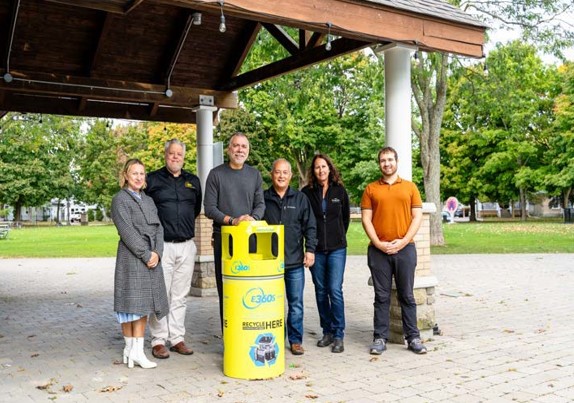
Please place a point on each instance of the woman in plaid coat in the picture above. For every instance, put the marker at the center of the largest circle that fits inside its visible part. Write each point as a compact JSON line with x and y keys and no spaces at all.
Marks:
{"x":139,"y":286}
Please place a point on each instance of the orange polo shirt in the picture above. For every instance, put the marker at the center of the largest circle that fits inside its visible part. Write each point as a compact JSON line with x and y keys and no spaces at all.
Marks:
{"x":391,"y":206}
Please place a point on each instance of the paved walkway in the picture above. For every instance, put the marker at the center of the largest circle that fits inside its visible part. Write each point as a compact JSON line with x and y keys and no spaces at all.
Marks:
{"x":507,"y":323}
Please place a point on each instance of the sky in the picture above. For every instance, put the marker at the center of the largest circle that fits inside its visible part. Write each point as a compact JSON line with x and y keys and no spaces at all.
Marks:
{"x":505,"y":35}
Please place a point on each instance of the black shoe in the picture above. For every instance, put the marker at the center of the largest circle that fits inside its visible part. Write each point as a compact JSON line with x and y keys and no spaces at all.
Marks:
{"x":338,"y":346}
{"x":417,"y":346}
{"x":325,"y":341}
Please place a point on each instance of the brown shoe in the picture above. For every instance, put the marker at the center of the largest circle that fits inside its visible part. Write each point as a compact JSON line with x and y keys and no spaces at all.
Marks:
{"x":297,"y":349}
{"x":181,"y":348}
{"x":159,"y":351}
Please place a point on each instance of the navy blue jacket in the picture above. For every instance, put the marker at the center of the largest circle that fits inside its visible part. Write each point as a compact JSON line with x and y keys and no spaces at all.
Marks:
{"x":294,"y":212}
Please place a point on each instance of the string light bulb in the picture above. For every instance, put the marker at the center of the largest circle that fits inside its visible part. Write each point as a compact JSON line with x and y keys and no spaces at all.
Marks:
{"x":222,"y":27}
{"x":416,"y":58}
{"x":328,"y":46}
{"x":485,"y":69}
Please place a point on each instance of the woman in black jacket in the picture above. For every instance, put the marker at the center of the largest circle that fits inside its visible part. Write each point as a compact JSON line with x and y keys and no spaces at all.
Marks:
{"x":330,"y":203}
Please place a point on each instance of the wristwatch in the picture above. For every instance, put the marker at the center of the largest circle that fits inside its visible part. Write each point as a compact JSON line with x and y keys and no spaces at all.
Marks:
{"x":230,"y":221}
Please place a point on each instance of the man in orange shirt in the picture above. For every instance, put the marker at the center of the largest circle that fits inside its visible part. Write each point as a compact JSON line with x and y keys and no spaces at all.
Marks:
{"x":391,"y":213}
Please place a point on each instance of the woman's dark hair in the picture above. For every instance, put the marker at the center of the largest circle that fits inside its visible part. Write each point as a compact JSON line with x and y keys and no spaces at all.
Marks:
{"x":334,"y":175}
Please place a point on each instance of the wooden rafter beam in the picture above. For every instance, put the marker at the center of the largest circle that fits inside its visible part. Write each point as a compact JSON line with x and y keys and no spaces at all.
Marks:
{"x":371,"y":22}
{"x":132,"y":5}
{"x":338,"y":47}
{"x":282,"y":37}
{"x":315,"y":39}
{"x":69,"y":106}
{"x":106,"y":26}
{"x":111,"y":90}
{"x":244,"y":44}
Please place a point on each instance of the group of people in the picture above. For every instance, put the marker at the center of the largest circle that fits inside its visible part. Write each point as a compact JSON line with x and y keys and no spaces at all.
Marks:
{"x":155,"y":218}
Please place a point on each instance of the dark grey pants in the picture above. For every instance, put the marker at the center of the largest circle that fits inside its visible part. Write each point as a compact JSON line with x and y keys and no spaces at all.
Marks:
{"x":383,"y":267}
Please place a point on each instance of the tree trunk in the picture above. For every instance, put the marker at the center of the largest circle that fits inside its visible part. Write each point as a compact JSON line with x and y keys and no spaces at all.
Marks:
{"x":18,"y":212}
{"x":522,"y":205}
{"x":431,"y":103}
{"x":566,"y":197}
{"x":472,"y":204}
{"x":303,"y":180}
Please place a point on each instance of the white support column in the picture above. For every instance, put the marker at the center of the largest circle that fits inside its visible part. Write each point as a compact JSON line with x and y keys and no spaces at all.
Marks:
{"x":204,"y":119}
{"x":203,"y":280}
{"x":398,"y":105}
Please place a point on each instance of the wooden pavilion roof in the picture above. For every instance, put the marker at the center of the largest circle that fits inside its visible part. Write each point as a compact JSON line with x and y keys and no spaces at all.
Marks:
{"x":148,"y":60}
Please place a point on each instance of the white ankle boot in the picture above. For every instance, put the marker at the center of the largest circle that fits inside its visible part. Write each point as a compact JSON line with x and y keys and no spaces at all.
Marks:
{"x":127,"y":348}
{"x":137,"y":355}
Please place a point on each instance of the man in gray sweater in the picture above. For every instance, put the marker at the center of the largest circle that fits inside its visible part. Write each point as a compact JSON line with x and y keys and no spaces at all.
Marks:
{"x":233,"y":193}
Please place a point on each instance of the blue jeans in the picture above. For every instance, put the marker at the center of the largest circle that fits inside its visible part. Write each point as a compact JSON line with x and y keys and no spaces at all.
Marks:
{"x":328,"y":272}
{"x":294,"y":285}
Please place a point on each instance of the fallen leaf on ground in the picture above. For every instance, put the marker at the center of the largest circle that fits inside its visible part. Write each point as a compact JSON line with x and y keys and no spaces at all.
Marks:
{"x":67,"y":388}
{"x":309,"y":396}
{"x":508,"y":331}
{"x":34,"y":355}
{"x":220,"y":394}
{"x":111,"y":389}
{"x":374,"y":359}
{"x":46,"y":385}
{"x":297,"y":377}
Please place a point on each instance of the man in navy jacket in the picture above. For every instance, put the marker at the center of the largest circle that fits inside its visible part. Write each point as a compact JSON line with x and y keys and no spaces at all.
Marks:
{"x":291,"y":208}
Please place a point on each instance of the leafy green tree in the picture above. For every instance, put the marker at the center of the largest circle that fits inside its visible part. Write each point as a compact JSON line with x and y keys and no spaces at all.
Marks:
{"x":558,"y":170}
{"x":542,"y":23}
{"x":101,"y":164}
{"x":497,"y":132}
{"x":38,"y":159}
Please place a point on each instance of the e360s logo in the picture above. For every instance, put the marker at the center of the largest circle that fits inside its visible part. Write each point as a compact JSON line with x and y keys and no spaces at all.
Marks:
{"x":239,"y":267}
{"x":256,"y":297}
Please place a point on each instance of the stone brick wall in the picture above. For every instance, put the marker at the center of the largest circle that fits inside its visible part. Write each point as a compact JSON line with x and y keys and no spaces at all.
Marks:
{"x":203,"y":280}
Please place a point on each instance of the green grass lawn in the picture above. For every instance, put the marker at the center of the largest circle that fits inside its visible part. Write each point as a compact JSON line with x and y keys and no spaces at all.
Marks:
{"x":461,"y":238}
{"x":65,"y":241}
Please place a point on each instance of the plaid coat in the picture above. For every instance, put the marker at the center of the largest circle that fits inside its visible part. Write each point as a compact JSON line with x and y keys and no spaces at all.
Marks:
{"x":138,"y":289}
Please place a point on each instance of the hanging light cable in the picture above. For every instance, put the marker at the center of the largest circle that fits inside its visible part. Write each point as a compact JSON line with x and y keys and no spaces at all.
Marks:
{"x":222,"y":27}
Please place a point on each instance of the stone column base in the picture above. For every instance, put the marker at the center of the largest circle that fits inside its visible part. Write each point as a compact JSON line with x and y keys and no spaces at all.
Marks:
{"x":424,"y":290}
{"x":203,"y":281}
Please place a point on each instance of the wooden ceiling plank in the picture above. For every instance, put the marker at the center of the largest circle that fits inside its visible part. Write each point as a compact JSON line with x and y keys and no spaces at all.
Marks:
{"x":282,"y":37}
{"x":11,"y":32}
{"x":177,"y":50}
{"x":338,"y":47}
{"x":116,"y":7}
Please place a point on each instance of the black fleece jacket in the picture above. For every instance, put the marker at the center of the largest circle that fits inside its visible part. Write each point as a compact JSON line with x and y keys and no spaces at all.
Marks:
{"x":332,"y":225}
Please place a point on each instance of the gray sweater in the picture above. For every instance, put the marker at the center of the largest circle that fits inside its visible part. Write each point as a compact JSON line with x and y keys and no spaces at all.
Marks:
{"x":233,"y":192}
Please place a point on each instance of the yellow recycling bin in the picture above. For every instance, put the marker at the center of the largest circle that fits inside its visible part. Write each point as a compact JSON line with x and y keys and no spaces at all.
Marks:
{"x":253,"y":300}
